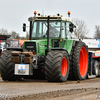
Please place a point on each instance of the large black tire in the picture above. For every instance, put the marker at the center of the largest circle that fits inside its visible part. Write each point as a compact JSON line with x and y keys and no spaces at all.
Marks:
{"x":7,"y":68}
{"x":80,"y":61}
{"x":57,"y":66}
{"x":71,"y":76}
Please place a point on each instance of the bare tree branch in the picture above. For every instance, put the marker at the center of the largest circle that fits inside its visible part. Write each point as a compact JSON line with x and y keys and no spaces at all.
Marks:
{"x":81,"y":29}
{"x":14,"y":35}
{"x":97,"y":32}
{"x":3,"y":31}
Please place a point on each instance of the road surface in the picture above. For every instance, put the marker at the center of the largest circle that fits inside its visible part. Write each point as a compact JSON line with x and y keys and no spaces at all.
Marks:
{"x":88,"y":89}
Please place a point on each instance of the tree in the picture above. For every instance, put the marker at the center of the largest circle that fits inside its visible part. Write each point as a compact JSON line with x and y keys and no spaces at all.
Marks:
{"x":14,"y":35}
{"x":81,"y":29}
{"x":23,"y":38}
{"x":17,"y":37}
{"x":3,"y":31}
{"x":97,"y":32}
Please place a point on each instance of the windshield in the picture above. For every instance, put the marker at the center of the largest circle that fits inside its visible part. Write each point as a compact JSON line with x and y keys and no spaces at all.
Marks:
{"x":40,"y":29}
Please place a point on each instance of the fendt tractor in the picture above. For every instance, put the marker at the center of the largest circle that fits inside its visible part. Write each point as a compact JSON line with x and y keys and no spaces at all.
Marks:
{"x":49,"y":53}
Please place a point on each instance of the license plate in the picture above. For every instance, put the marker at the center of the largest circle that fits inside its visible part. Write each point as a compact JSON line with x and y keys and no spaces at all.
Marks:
{"x":21,"y":68}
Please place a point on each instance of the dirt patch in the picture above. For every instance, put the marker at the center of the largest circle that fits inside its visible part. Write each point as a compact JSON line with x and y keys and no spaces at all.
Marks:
{"x":54,"y":94}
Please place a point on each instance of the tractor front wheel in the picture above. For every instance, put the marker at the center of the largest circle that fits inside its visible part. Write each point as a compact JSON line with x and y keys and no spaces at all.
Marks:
{"x":57,"y":66}
{"x":7,"y":67}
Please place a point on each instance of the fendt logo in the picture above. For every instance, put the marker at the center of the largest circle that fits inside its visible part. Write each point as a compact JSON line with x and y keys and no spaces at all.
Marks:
{"x":30,"y":46}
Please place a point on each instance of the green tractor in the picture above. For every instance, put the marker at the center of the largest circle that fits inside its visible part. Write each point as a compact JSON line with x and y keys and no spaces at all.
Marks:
{"x":50,"y":52}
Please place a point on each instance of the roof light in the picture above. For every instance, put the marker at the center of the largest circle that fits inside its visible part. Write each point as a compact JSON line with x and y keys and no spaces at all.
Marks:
{"x":35,"y":12}
{"x":38,"y":14}
{"x":58,"y":14}
{"x":69,"y":13}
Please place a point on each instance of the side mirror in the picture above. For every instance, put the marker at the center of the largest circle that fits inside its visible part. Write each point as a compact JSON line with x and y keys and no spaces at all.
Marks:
{"x":71,"y":27}
{"x":24,"y":27}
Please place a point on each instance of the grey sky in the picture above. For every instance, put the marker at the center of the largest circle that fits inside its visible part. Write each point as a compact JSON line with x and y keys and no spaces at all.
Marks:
{"x":14,"y":13}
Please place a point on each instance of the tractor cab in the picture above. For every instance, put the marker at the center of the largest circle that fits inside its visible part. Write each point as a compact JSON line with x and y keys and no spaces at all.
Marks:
{"x":59,"y":27}
{"x":48,"y":31}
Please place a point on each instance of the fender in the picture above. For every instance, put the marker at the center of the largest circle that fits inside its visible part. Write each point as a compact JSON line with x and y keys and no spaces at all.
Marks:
{"x":59,"y":49}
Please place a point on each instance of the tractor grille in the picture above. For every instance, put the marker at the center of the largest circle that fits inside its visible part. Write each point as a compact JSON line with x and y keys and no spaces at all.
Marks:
{"x":30,"y":46}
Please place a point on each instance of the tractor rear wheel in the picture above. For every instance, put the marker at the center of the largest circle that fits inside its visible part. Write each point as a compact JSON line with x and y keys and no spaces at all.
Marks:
{"x":57,"y":66}
{"x":7,"y":67}
{"x":80,"y":61}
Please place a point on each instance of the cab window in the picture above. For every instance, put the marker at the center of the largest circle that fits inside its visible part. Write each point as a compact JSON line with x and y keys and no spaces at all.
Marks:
{"x":68,"y":33}
{"x":63,"y":30}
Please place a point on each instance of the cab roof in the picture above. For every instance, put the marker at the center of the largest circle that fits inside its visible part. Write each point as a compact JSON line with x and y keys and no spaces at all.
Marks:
{"x":54,"y":17}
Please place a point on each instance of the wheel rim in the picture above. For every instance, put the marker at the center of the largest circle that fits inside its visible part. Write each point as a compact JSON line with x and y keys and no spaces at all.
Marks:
{"x":64,"y":66}
{"x":96,"y":70}
{"x":83,"y":62}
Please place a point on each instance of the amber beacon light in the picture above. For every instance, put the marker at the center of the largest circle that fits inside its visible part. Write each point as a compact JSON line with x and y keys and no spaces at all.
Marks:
{"x":35,"y":12}
{"x":69,"y":13}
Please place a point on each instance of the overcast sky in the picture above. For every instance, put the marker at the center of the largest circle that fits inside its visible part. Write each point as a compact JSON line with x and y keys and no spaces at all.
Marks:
{"x":13,"y":13}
